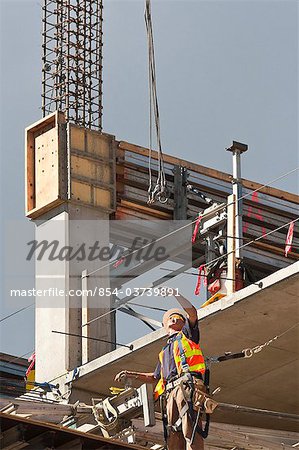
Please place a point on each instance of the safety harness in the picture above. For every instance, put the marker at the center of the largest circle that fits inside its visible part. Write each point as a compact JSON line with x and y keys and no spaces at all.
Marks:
{"x":185,"y":377}
{"x":189,"y":407}
{"x":193,"y":360}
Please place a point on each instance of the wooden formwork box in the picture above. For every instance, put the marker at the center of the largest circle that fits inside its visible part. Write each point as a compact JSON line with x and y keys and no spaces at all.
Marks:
{"x":65,"y":162}
{"x":92,"y":167}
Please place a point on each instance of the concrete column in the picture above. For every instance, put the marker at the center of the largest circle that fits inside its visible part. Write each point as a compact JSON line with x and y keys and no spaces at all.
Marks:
{"x":76,"y":231}
{"x":70,"y":193}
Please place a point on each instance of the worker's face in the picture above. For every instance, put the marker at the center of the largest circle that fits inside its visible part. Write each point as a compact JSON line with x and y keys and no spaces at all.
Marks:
{"x":174,"y":324}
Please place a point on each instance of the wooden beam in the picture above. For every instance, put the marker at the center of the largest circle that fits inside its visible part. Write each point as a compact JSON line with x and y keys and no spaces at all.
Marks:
{"x":145,"y":209}
{"x":36,"y":212}
{"x":43,"y":441}
{"x":75,"y":444}
{"x":55,"y":117}
{"x":282,"y":195}
{"x":12,"y":438}
{"x":226,"y":436}
{"x":274,"y":249}
{"x":17,"y":445}
{"x":63,"y":434}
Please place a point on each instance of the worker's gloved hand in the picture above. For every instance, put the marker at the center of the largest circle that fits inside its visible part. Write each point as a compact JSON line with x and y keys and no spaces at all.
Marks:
{"x":121,"y":376}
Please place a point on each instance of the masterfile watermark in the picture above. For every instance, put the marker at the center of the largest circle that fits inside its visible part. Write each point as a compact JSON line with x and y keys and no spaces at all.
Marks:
{"x":51,"y":292}
{"x":140,"y":250}
{"x":56,"y":292}
{"x":63,"y":254}
{"x":96,"y":291}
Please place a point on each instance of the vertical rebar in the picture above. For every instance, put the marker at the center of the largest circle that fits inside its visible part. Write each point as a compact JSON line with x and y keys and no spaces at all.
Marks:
{"x":72,"y":60}
{"x":67,"y":70}
{"x":90,"y":40}
{"x":44,"y":59}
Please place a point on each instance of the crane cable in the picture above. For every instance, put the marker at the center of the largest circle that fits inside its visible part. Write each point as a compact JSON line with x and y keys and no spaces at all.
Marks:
{"x":158,"y":192}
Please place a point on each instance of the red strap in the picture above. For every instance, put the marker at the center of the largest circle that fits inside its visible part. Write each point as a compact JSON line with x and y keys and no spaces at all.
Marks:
{"x":31,"y":359}
{"x":202,"y":273}
{"x":257,"y":214}
{"x":289,"y":239}
{"x":119,"y":262}
{"x":197,"y":223}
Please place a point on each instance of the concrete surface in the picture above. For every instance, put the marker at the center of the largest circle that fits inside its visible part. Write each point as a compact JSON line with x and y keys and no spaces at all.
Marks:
{"x":252,"y":316}
{"x":57,"y":353}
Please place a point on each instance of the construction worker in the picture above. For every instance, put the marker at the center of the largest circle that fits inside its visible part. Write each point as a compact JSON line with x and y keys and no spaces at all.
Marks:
{"x":181,"y":359}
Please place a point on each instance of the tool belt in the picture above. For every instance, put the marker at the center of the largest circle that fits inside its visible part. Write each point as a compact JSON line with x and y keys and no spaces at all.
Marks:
{"x":200,"y":398}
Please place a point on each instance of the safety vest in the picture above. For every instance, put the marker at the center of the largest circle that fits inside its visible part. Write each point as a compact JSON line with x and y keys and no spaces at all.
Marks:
{"x":191,"y":360}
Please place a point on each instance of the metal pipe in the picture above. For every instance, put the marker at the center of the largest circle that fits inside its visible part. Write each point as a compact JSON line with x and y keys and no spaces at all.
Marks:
{"x":247,"y":409}
{"x":237,"y":191}
{"x":93,"y":338}
{"x":237,"y":149}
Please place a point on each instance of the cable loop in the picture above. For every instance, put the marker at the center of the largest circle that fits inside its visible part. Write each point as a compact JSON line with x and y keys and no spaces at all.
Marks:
{"x":248,"y":353}
{"x":156,"y":193}
{"x":162,"y":198}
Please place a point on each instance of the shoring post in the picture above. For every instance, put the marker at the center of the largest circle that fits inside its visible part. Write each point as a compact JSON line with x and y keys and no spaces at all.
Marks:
{"x":237,"y":149}
{"x":231,"y":244}
{"x":84,"y":315}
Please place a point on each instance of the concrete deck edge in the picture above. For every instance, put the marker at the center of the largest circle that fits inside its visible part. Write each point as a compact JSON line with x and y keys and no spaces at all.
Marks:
{"x":212,"y":309}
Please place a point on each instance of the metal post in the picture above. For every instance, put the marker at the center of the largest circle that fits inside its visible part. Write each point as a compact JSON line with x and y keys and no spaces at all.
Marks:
{"x":237,"y":149}
{"x":231,"y":244}
{"x":85,"y":343}
{"x":210,"y":254}
{"x":180,"y":193}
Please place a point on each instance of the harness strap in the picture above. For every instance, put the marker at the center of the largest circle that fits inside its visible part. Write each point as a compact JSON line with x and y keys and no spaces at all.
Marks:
{"x":164,"y":419}
{"x":178,"y":423}
{"x":188,"y":407}
{"x":185,"y":366}
{"x":194,"y":417}
{"x":203,"y":432}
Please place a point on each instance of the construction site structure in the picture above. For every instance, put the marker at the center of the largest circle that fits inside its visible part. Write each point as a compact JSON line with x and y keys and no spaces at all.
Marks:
{"x":82,"y":176}
{"x":98,"y":177}
{"x":87,"y":191}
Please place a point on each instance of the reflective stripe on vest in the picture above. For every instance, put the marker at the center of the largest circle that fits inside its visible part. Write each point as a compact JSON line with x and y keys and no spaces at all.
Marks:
{"x":194,"y":360}
{"x":193,"y":355}
{"x":160,"y":386}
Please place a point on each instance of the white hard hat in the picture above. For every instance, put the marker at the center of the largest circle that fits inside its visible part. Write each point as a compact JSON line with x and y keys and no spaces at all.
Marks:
{"x":172,"y":311}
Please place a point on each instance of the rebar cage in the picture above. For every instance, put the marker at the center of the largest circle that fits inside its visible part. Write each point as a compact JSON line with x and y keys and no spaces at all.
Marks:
{"x":72,"y":60}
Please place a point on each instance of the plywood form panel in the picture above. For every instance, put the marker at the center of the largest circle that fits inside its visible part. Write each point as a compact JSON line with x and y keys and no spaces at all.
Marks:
{"x":82,"y":167}
{"x":92,"y":169}
{"x":98,"y":144}
{"x":81,"y":192}
{"x":77,"y":136}
{"x":103,"y":173}
{"x":92,"y":162}
{"x":89,"y":141}
{"x":45,"y":172}
{"x":102,"y":197}
{"x":46,"y":168}
{"x":85,"y":172}
{"x":29,"y":173}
